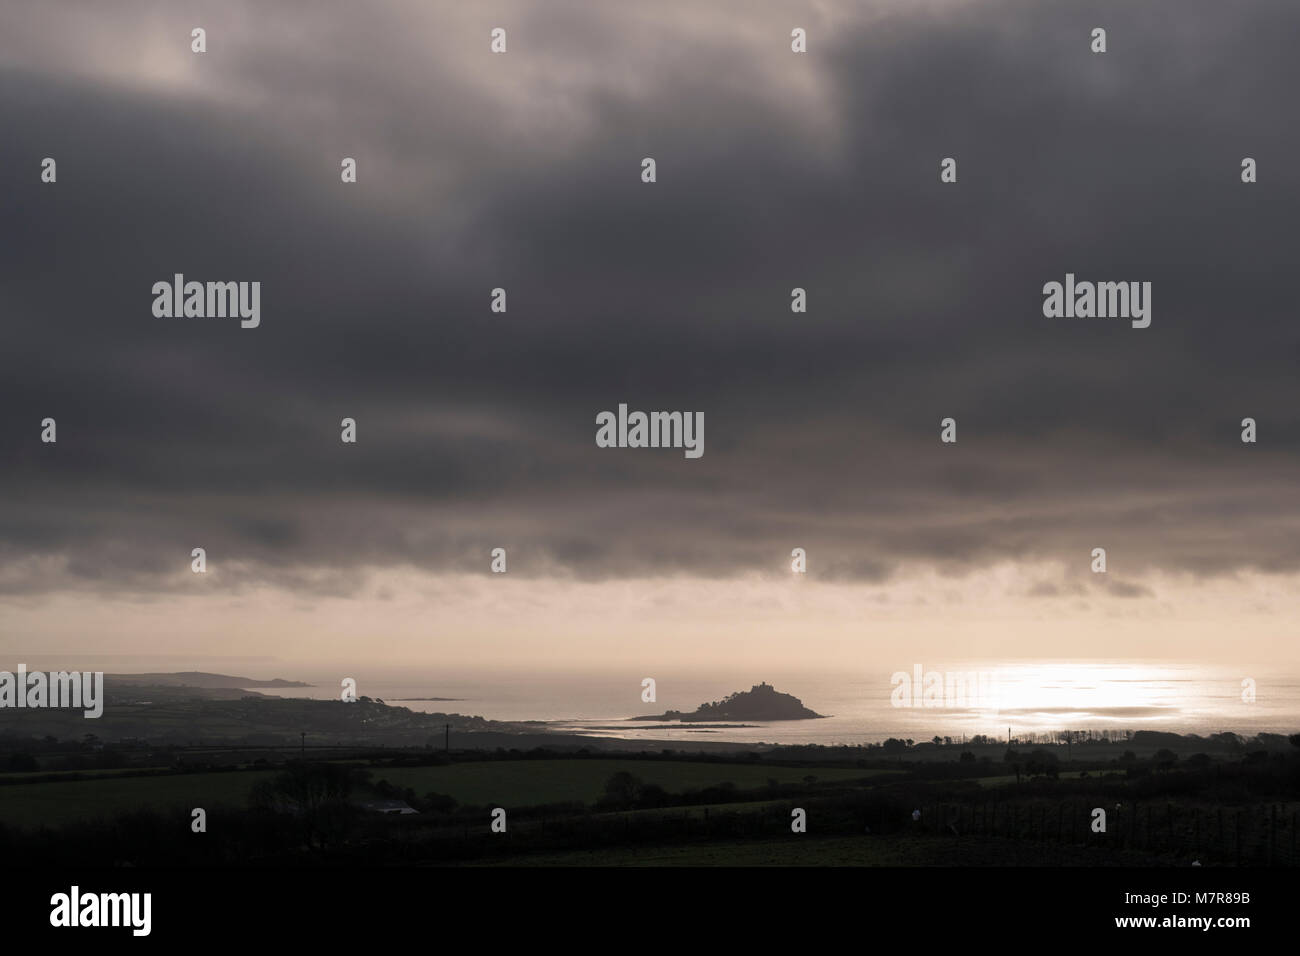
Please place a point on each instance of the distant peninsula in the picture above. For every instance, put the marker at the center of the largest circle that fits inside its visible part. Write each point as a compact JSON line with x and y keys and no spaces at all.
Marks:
{"x":762,"y":702}
{"x":200,"y":679}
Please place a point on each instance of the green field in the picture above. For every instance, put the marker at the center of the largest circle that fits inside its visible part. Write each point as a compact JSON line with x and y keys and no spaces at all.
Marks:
{"x":83,"y":774}
{"x":809,"y":850}
{"x":62,"y":802}
{"x":515,"y":783}
{"x":522,"y":783}
{"x":1010,"y":779}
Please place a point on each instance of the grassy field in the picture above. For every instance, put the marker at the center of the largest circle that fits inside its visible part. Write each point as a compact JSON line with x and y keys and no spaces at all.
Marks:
{"x":522,"y":783}
{"x":808,"y":850}
{"x":32,"y":804}
{"x":516,"y":783}
{"x":1010,"y":778}
{"x":85,"y":774}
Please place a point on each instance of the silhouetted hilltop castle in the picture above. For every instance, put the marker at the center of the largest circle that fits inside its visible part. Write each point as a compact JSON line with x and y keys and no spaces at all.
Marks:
{"x":761,"y":702}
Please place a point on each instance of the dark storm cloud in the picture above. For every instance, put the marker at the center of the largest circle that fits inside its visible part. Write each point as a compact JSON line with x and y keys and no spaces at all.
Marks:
{"x":477,"y":430}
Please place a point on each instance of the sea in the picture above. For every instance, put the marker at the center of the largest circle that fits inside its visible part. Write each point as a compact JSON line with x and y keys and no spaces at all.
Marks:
{"x":1013,"y":699}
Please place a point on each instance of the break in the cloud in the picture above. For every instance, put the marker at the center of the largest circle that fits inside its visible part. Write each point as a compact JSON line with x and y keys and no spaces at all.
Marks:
{"x":775,"y":170}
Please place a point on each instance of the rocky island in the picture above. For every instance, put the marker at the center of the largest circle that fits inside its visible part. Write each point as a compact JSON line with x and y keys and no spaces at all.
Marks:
{"x":762,"y":702}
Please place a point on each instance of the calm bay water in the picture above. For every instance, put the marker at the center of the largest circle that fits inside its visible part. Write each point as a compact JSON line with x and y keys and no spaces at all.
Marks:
{"x":1027,"y":696}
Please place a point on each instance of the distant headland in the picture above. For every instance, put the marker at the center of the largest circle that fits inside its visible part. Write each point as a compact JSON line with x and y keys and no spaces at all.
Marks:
{"x":201,"y":679}
{"x":761,"y":702}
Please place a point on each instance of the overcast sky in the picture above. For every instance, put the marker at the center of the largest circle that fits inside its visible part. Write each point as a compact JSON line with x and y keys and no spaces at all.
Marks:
{"x":476,"y":430}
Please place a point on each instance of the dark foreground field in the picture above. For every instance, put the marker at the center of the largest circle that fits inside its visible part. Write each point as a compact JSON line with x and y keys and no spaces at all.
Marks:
{"x":933,"y":807}
{"x":914,"y":850}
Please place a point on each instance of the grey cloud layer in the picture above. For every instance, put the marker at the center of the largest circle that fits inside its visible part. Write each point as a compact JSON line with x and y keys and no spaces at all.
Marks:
{"x":522,"y":171}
